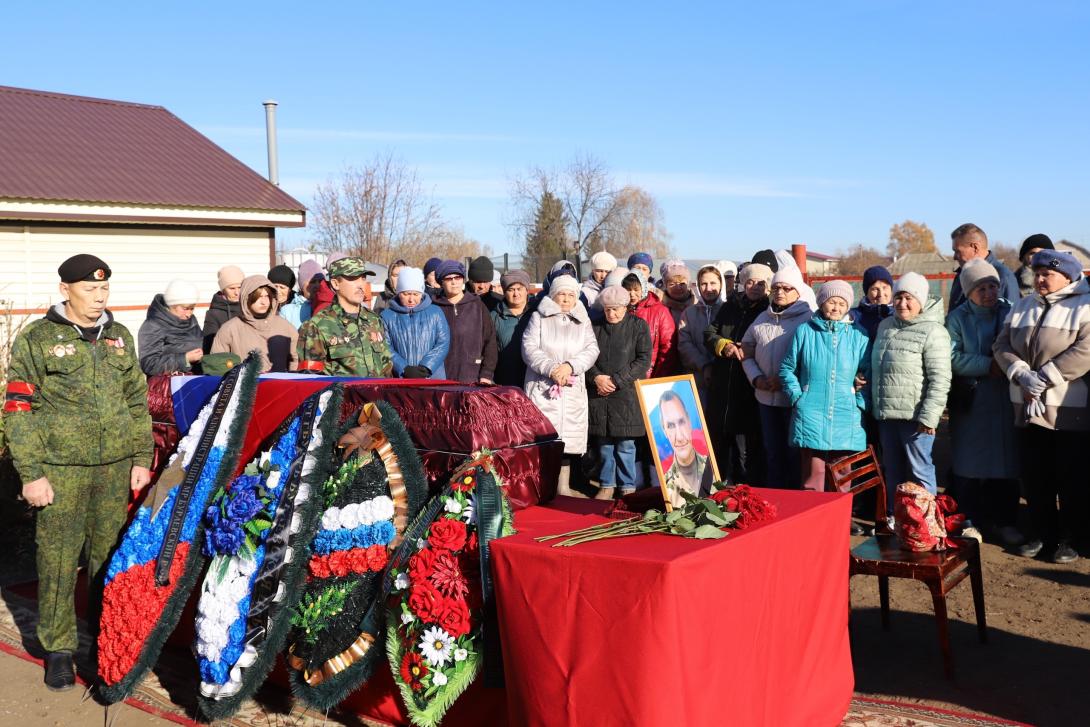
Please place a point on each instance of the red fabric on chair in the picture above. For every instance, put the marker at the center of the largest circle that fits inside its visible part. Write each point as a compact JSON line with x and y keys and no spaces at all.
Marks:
{"x":662,"y":630}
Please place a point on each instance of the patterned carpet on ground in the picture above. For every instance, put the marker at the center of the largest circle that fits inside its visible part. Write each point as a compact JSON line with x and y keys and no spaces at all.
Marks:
{"x":170,"y":691}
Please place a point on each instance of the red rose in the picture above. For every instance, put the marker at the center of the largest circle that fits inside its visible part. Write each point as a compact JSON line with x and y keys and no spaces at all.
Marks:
{"x":376,"y":557}
{"x":426,"y":602}
{"x":413,"y":670}
{"x":471,"y":542}
{"x":455,"y":618}
{"x":448,"y":533}
{"x":421,"y":565}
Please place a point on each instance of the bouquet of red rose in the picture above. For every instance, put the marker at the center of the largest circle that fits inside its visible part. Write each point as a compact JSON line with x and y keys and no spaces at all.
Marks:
{"x":751,"y":507}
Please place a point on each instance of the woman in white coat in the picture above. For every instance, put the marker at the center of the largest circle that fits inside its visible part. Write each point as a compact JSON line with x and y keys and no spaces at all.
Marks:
{"x":558,"y":348}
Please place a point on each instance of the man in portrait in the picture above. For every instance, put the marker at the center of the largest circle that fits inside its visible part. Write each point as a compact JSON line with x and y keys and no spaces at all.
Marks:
{"x":689,"y":469}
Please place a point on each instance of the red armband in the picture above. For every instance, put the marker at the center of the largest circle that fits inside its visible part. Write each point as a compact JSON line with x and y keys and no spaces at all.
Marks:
{"x":315,"y":366}
{"x":19,"y":396}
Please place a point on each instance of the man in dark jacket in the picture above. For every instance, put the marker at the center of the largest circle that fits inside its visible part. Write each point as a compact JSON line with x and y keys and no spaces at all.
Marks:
{"x":510,"y":318}
{"x":970,"y":243}
{"x":473,"y":353}
{"x":169,"y":338}
{"x":225,"y":304}
{"x":431,"y":286}
{"x":481,"y":273}
{"x":732,"y":406}
{"x":1030,"y":247}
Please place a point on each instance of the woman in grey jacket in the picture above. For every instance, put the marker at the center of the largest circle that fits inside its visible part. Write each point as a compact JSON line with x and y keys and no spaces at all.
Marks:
{"x":169,"y":339}
{"x":910,"y":365}
{"x":1044,"y":350}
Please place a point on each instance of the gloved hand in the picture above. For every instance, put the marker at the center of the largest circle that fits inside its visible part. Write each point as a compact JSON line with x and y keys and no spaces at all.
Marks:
{"x":1031,"y":382}
{"x":416,"y":372}
{"x":1035,"y":408}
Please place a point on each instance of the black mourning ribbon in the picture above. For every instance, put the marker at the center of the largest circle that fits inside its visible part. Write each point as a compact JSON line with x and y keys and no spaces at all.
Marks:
{"x":192,"y":475}
{"x":276,"y":542}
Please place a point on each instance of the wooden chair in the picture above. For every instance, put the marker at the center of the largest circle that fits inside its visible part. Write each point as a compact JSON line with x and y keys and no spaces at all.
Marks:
{"x":883,"y":555}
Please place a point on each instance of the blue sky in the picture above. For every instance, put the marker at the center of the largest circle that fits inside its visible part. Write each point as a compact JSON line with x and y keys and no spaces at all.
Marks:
{"x":821,"y":123}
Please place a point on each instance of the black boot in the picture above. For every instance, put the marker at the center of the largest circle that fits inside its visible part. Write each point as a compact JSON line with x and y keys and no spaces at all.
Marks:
{"x":60,"y":671}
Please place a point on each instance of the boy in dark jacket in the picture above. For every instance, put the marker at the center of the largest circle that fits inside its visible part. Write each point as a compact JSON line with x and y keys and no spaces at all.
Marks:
{"x":473,"y":352}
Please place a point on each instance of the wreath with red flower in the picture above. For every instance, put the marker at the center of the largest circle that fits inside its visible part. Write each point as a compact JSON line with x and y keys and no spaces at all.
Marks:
{"x":434,"y":620}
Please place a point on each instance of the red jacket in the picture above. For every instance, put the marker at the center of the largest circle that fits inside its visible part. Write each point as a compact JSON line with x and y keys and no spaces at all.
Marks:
{"x":663,"y":336}
{"x":322,"y":297}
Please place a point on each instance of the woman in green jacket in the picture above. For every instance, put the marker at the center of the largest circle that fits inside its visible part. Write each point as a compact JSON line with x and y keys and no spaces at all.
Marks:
{"x":910,"y":367}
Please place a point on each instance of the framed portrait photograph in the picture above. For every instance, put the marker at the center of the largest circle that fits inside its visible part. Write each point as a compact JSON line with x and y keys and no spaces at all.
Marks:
{"x":678,"y":436}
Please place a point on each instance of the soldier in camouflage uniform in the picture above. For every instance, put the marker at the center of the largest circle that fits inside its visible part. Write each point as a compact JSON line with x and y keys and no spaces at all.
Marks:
{"x":346,"y":339}
{"x":77,"y":421}
{"x":689,"y":470}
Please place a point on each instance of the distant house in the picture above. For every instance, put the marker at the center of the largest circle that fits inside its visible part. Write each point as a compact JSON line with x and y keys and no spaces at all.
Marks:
{"x":924,"y":263}
{"x":818,"y":263}
{"x":1078,"y":251}
{"x":133,"y":184}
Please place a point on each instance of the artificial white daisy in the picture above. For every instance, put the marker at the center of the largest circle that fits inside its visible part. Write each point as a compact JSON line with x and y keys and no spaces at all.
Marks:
{"x":436,"y":645}
{"x":438,"y":678}
{"x":461,"y":654}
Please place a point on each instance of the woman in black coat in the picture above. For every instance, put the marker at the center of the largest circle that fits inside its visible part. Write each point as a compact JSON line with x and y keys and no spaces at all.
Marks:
{"x":624,"y":342}
{"x":732,"y":407}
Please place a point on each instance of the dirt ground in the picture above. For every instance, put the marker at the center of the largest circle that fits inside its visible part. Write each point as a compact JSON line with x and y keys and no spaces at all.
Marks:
{"x":1033,"y":668}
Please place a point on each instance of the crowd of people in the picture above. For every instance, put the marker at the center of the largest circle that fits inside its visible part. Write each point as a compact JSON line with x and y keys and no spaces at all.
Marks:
{"x":789,"y":378}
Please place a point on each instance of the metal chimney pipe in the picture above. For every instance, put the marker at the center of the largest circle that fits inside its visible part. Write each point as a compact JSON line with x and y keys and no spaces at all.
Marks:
{"x":270,"y":138}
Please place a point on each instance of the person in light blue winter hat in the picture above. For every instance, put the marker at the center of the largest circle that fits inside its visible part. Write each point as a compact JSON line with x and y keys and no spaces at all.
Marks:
{"x":417,"y":329}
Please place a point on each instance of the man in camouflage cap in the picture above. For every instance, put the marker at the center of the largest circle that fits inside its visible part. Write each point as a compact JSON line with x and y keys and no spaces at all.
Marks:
{"x":77,"y":422}
{"x":345,"y":339}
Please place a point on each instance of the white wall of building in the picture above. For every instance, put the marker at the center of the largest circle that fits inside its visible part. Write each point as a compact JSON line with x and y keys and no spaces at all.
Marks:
{"x":143,"y":260}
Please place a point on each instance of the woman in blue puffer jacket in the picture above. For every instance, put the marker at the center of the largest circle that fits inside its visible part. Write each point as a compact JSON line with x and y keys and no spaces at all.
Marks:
{"x":418,"y":331}
{"x":819,"y":377}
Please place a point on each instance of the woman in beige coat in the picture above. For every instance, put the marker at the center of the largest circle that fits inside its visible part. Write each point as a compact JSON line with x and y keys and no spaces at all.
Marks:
{"x":259,"y":328}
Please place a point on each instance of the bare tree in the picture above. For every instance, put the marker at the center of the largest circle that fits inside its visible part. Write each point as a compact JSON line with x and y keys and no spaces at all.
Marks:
{"x":599,"y":213}
{"x":858,"y":258}
{"x":379,"y":212}
{"x":635,"y":226}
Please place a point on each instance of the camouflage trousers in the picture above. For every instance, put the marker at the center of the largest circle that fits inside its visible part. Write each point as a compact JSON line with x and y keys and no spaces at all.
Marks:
{"x":88,"y":511}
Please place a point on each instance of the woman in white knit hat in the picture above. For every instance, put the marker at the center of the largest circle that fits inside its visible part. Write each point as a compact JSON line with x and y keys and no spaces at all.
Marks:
{"x":818,"y":374}
{"x":169,"y":340}
{"x":601,"y":265}
{"x":910,"y":378}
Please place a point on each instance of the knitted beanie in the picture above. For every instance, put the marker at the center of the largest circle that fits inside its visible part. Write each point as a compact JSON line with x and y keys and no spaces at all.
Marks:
{"x":915,"y":285}
{"x":836,"y":289}
{"x":180,"y":292}
{"x":975,"y":272}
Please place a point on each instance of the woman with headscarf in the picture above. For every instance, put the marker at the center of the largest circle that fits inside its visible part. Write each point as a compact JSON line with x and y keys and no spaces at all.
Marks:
{"x":170,"y":339}
{"x":983,"y":443}
{"x":624,"y":355}
{"x":1044,"y":351}
{"x":695,"y":357}
{"x":558,"y":348}
{"x":259,"y":328}
{"x":733,"y":419}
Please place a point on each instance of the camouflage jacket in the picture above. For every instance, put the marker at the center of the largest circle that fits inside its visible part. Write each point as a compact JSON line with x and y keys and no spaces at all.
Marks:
{"x":343,"y":342}
{"x":71,"y":401}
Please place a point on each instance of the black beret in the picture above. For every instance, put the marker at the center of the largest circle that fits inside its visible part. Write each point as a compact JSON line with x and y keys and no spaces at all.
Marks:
{"x":83,"y":267}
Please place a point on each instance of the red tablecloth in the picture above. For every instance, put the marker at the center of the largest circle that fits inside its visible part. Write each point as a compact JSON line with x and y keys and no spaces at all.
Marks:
{"x":661,"y":630}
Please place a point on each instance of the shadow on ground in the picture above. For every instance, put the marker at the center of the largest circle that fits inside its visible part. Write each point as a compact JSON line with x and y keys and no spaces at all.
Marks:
{"x":1012,"y":676}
